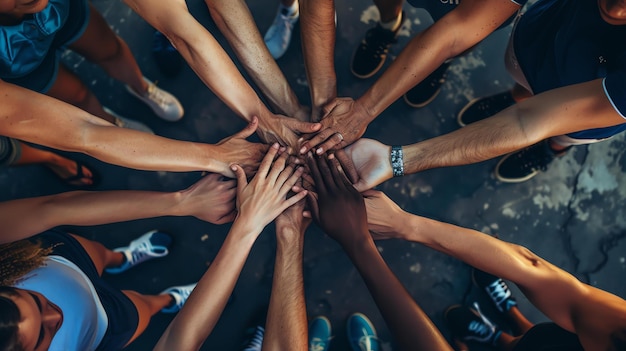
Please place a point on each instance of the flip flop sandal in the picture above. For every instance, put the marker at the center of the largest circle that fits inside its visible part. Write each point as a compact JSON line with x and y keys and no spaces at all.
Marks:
{"x":73,"y":179}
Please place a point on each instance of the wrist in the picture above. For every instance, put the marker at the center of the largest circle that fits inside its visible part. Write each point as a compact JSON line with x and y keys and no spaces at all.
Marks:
{"x":245,"y":226}
{"x":368,"y":110}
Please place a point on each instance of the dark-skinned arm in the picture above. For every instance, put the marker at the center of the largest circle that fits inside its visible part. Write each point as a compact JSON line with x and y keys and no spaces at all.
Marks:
{"x":340,"y":211}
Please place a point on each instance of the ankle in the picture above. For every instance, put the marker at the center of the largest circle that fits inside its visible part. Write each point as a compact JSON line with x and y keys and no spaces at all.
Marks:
{"x":290,"y":11}
{"x":558,"y":149}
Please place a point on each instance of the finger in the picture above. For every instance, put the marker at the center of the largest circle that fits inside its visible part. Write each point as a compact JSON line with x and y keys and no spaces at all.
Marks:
{"x":315,"y":173}
{"x":267,"y":160}
{"x":291,"y":181}
{"x":285,"y":174}
{"x":277,"y":167}
{"x":306,"y":214}
{"x":362,"y":186}
{"x":313,"y":206}
{"x":242,"y":182}
{"x":327,"y":176}
{"x":338,"y":175}
{"x":249,"y":129}
{"x":317,"y":139}
{"x":302,"y":127}
{"x":371,"y":193}
{"x":348,"y":166}
{"x":329,"y":107}
{"x":334,"y":140}
{"x":227,"y":218}
{"x":292,"y":200}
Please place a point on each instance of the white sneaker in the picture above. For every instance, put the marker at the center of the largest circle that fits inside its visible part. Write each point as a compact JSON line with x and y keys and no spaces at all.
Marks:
{"x":128,"y":123}
{"x":180,"y":294}
{"x":162,"y":103}
{"x":153,"y":244}
{"x":278,"y":36}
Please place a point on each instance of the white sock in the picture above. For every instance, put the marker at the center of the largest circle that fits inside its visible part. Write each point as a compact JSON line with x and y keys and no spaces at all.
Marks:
{"x":392,"y":25}
{"x":289,"y":11}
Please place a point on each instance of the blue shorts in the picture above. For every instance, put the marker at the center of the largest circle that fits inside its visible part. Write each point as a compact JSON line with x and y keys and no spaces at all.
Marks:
{"x":43,"y":77}
{"x":121,"y":312}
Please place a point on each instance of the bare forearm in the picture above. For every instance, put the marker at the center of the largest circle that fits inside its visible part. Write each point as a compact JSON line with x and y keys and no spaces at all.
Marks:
{"x":237,"y":24}
{"x":195,"y":322}
{"x":26,"y":217}
{"x":411,"y":328}
{"x":286,"y":326}
{"x":317,"y":23}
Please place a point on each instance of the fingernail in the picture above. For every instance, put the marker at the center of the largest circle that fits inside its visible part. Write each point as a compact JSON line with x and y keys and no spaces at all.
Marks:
{"x":233,"y":168}
{"x":302,"y":150}
{"x":275,"y":145}
{"x":319,"y":151}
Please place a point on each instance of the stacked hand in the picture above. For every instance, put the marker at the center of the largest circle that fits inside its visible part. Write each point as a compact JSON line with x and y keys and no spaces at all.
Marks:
{"x":285,"y":131}
{"x":211,"y":199}
{"x":383,"y":215}
{"x":265,"y":197}
{"x":235,"y":149}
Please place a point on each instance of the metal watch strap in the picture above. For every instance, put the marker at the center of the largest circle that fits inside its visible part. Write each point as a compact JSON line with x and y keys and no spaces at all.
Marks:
{"x":397,"y":161}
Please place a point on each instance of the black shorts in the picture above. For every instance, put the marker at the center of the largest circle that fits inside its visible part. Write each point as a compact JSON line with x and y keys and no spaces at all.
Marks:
{"x":548,"y":337}
{"x":121,"y":312}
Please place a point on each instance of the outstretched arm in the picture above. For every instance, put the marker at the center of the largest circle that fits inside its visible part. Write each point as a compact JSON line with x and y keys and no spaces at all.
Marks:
{"x":210,"y":199}
{"x":573,"y":305}
{"x":465,"y":26}
{"x":215,"y":68}
{"x":286,"y":325}
{"x":343,"y":216}
{"x":555,"y":112}
{"x":258,"y":203}
{"x":37,"y":118}
{"x":236,"y":23}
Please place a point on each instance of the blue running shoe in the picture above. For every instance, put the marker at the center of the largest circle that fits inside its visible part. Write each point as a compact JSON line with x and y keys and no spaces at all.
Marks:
{"x":362,"y":334}
{"x":319,"y":334}
{"x":496,"y":288}
{"x":151,"y":245}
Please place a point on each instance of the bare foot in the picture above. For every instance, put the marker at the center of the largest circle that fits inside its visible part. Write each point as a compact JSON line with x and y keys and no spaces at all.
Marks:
{"x":68,"y":171}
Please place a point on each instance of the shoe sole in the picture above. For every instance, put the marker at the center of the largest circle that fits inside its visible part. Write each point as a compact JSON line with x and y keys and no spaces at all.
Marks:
{"x":369,"y":75}
{"x":459,"y":120}
{"x":423,"y":103}
{"x":511,"y":180}
{"x":327,"y":321}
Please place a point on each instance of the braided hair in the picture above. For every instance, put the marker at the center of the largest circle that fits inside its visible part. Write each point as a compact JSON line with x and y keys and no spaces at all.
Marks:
{"x":18,"y":258}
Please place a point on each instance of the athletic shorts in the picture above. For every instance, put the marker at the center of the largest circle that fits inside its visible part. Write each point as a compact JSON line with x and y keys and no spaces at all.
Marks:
{"x":10,"y":151}
{"x":43,"y":77}
{"x":548,"y":337}
{"x":121,"y":312}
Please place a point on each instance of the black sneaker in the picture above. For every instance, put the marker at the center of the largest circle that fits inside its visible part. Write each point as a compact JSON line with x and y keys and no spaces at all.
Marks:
{"x":167,"y":58}
{"x":428,"y":89}
{"x":524,"y":164}
{"x":496,"y":288}
{"x":468,"y":324}
{"x":481,"y":108}
{"x":371,"y":54}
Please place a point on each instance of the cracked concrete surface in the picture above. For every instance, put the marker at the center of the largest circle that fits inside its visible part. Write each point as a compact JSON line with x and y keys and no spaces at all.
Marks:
{"x":572,"y":214}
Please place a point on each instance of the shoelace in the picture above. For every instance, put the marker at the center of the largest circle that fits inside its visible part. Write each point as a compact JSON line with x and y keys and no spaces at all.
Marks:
{"x":317,"y":344}
{"x":257,"y":340}
{"x":365,"y":342}
{"x":498,"y":291}
{"x":142,"y":251}
{"x":378,"y":40}
{"x":481,"y":331}
{"x":155,"y":94}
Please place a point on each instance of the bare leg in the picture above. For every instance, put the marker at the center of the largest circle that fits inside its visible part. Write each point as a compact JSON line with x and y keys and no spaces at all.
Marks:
{"x":100,"y":255}
{"x":521,"y":323}
{"x":101,"y":46}
{"x":507,"y":342}
{"x":147,"y":306}
{"x":389,"y":9}
{"x":520,"y":93}
{"x":69,"y":88}
{"x":63,"y":167}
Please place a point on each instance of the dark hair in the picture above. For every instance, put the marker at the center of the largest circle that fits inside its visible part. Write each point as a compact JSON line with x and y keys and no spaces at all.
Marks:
{"x":18,"y":258}
{"x":9,"y":320}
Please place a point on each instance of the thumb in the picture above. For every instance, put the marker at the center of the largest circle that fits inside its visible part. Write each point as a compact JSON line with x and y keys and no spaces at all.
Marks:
{"x":242,"y":182}
{"x":362,"y":186}
{"x":249,"y":129}
{"x":328,"y":108}
{"x":303,"y":127}
{"x":370,"y":193}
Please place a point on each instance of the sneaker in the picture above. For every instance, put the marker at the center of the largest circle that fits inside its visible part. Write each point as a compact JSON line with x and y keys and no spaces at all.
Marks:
{"x":428,"y":89}
{"x":180,"y":294}
{"x":362,"y":334}
{"x":496,"y":288}
{"x":524,"y":164}
{"x":319,"y":334}
{"x":168,"y":59}
{"x":278,"y":36}
{"x":371,"y":54}
{"x":481,"y":108}
{"x":124,"y":122}
{"x":255,"y":341}
{"x":151,"y":245}
{"x":162,"y":103}
{"x":468,"y":324}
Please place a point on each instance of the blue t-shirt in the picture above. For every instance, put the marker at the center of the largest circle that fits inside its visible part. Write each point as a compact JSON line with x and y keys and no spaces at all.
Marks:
{"x":560,"y":43}
{"x":440,"y":8}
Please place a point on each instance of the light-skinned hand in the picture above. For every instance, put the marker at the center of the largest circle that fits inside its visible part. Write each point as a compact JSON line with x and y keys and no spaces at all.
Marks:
{"x":369,"y":161}
{"x":211,"y":199}
{"x":285,"y":131}
{"x":383,"y":215}
{"x":265,"y":197}
{"x":236,"y":149}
